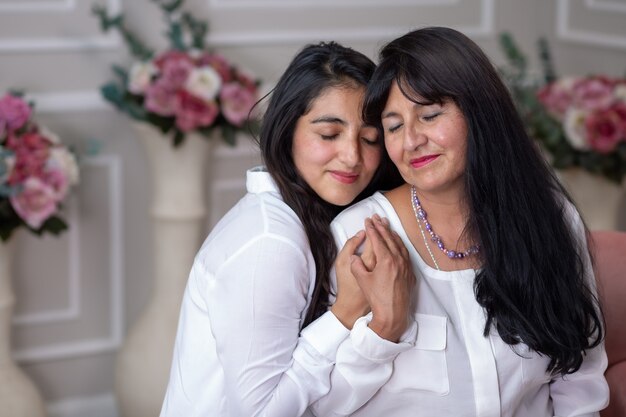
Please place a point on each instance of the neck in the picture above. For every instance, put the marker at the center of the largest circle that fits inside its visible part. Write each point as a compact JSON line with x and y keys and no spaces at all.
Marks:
{"x":444,"y":206}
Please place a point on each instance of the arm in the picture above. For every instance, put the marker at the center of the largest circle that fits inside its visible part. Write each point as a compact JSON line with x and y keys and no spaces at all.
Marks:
{"x":585,"y":392}
{"x":256,"y":301}
{"x":364,"y":361}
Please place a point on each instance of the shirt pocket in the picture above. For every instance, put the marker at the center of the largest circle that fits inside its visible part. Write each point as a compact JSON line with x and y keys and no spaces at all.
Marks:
{"x":423,"y":367}
{"x":534,"y":367}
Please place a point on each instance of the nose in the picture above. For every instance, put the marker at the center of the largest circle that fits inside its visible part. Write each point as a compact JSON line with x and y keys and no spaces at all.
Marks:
{"x":350,"y":152}
{"x":413,"y":138}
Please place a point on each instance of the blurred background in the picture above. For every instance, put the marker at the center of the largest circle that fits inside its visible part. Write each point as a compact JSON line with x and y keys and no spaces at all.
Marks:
{"x":78,"y":294}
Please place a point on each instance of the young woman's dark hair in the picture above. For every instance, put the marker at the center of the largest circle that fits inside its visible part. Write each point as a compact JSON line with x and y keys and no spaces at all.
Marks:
{"x":531,"y":283}
{"x":313,"y":70}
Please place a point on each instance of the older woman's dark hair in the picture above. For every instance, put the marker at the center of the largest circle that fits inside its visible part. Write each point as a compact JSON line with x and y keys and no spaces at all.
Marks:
{"x":312,"y":71}
{"x":532,"y":282}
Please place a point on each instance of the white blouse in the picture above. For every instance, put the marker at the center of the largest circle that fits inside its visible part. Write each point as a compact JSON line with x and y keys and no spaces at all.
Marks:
{"x":238,"y":351}
{"x":452,"y":370}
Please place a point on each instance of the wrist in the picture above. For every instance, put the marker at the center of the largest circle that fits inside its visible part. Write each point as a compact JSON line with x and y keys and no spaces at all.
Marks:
{"x":347,"y":315}
{"x":390,"y":330}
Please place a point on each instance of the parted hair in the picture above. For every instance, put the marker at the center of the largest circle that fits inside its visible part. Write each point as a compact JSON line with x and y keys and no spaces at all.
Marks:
{"x":532,"y":282}
{"x":312,"y":71}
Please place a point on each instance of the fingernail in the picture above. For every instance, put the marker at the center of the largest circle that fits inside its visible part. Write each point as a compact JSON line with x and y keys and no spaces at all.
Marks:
{"x":385,"y":221}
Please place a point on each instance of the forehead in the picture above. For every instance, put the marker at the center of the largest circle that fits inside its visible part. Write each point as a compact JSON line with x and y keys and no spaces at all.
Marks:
{"x":340,"y":99}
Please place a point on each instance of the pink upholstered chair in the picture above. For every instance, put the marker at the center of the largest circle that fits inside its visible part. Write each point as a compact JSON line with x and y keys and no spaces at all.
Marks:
{"x":609,"y":249}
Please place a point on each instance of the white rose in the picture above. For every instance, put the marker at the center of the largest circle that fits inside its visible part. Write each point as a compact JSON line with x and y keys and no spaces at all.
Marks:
{"x":574,"y":126}
{"x":204,"y":83}
{"x":620,"y":92}
{"x":65,"y":160}
{"x":139,"y":77}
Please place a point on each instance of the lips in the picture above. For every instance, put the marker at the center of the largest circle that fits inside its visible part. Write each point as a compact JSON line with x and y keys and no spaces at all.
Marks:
{"x":344,"y":177}
{"x":422,"y":161}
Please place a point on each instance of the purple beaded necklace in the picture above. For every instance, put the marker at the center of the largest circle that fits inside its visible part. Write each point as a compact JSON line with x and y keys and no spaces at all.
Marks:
{"x":422,"y":217}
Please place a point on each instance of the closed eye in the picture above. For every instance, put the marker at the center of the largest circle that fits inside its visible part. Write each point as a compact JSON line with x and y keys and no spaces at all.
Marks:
{"x":430,"y":117}
{"x":370,"y":141}
{"x":394,"y":128}
{"x":329,"y":137}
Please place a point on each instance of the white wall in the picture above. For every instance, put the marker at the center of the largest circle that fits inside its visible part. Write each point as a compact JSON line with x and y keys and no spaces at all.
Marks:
{"x":78,"y":294}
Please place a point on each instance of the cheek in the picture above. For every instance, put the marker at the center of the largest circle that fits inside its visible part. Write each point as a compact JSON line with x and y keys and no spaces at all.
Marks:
{"x":307,"y":153}
{"x":371,"y":157}
{"x":394,"y":150}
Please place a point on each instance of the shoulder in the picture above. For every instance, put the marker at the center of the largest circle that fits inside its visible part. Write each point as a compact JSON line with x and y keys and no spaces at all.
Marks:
{"x":257,"y":220}
{"x":350,"y":220}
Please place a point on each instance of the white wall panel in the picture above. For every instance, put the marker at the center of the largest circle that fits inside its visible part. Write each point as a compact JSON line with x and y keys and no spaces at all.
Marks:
{"x":599,"y":22}
{"x":347,"y":20}
{"x":110,"y":165}
{"x":56,"y":41}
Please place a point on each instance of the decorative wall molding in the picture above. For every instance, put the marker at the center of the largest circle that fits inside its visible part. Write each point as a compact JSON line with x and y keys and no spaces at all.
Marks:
{"x":26,"y":6}
{"x":333,"y":4}
{"x":98,"y":406}
{"x":69,"y":101}
{"x":72,"y":311}
{"x":116,"y":248}
{"x":374,"y":33}
{"x":56,"y":43}
{"x":606,"y":5}
{"x":565,"y":32}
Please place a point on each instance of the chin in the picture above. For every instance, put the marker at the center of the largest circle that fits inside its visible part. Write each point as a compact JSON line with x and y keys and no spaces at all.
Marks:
{"x":341,"y":201}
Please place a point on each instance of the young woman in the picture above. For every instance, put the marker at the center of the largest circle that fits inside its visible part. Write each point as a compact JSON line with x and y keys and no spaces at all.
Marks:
{"x":507,"y":317}
{"x":262,"y":275}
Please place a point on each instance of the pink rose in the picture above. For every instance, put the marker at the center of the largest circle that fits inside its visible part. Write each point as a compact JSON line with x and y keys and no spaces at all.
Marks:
{"x":35,"y":203}
{"x":14,"y":113}
{"x":557,"y":97}
{"x":31,"y":151}
{"x":236,"y":102}
{"x":175,"y":73}
{"x":57,"y":180}
{"x":161,"y":99}
{"x":193,"y":112}
{"x":172,"y":56}
{"x":593,"y":92}
{"x":247,"y":81}
{"x":605,"y":129}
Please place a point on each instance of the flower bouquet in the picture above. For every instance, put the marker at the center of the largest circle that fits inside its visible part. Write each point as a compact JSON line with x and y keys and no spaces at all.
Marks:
{"x":580,"y":121}
{"x":36,"y":171}
{"x":184,"y":88}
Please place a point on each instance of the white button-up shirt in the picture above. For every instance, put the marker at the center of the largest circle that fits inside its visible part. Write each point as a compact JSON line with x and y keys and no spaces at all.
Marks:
{"x":452,"y":370}
{"x":238,"y":351}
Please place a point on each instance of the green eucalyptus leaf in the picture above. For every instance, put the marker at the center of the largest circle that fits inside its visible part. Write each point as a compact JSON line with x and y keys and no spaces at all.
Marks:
{"x":176,"y":37}
{"x":54,"y":225}
{"x":228,"y":134}
{"x":179,"y":138}
{"x":121,"y":73}
{"x":113,"y":93}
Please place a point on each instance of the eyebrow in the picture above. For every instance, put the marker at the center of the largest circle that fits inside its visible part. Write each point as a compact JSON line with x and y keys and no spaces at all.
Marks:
{"x":329,"y":119}
{"x":389,"y":114}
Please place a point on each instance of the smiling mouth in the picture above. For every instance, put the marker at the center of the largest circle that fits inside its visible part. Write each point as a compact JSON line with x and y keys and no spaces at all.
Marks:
{"x":344,"y":177}
{"x":424,"y":160}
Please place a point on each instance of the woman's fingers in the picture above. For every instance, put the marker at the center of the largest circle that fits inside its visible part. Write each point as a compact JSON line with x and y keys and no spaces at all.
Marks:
{"x":352,"y":244}
{"x":368,"y":256}
{"x":383,"y":238}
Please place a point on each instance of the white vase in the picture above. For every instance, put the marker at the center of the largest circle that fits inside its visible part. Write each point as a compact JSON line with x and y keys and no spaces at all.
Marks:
{"x":597,"y":198}
{"x":18,"y":395}
{"x":178,"y":211}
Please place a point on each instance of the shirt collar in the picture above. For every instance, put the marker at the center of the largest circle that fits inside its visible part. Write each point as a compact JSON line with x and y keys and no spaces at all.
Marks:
{"x":258,"y":180}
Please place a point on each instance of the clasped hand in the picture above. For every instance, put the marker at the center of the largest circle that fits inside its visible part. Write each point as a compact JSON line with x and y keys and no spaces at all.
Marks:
{"x":379,"y":280}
